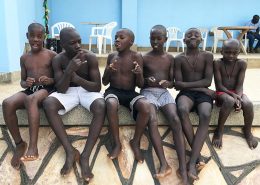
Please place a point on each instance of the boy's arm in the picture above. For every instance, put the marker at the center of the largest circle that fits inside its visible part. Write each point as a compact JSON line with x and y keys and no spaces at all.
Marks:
{"x":178,"y":73}
{"x":241,"y":78}
{"x":94,"y":84}
{"x":61,"y":78}
{"x":23,"y":73}
{"x":138,"y":70}
{"x":107,"y":72}
{"x":25,"y":80}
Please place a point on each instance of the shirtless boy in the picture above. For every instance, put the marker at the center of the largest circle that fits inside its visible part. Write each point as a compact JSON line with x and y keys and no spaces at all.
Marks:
{"x":77,"y":79}
{"x":124,"y":71}
{"x":193,"y":75}
{"x":37,"y":79}
{"x":229,"y":75}
{"x":158,"y":76}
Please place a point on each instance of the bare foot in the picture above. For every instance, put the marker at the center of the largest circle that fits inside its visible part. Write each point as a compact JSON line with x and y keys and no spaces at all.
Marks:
{"x":200,"y":164}
{"x":115,"y":152}
{"x":18,"y":153}
{"x":31,"y":155}
{"x":86,"y":173}
{"x":70,"y":160}
{"x":192,"y":172}
{"x":250,"y":139}
{"x":183,"y":176}
{"x":217,"y":139}
{"x":163,"y":172}
{"x":137,"y":152}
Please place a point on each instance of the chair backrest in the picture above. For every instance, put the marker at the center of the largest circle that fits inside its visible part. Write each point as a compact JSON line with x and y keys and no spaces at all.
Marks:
{"x":172,"y":33}
{"x":59,"y":26}
{"x":108,"y":28}
{"x":204,"y":33}
{"x":219,"y":34}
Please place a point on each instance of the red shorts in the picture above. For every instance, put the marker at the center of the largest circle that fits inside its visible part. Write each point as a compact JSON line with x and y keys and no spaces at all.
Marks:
{"x":221,"y":92}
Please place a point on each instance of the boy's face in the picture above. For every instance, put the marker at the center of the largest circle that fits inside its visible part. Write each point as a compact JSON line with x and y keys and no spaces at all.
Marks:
{"x":193,"y":38}
{"x":157,"y":39}
{"x":35,"y":37}
{"x":72,"y":43}
{"x":123,"y":40}
{"x":230,"y":52}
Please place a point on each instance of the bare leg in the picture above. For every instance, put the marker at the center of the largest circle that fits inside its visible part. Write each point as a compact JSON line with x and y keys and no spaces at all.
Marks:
{"x":227,"y":104}
{"x":248,"y":114}
{"x":32,"y":103}
{"x":155,"y":136}
{"x":98,"y":108}
{"x":10,"y":105}
{"x":204,"y":111}
{"x":112,"y":116}
{"x":143,"y":108}
{"x":51,"y":106}
{"x":170,"y":112}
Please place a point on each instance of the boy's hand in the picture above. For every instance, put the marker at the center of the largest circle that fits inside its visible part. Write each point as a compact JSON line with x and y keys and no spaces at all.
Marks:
{"x":29,"y":81}
{"x":164,"y":84}
{"x":46,"y":80}
{"x":151,"y":81}
{"x":74,"y":77}
{"x":137,"y":69}
{"x":211,"y":93}
{"x":76,"y":62}
{"x":178,"y":85}
{"x":113,"y":66}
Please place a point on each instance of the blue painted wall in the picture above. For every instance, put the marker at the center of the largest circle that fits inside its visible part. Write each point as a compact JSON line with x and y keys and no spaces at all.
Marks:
{"x":139,"y":15}
{"x":183,"y":14}
{"x":16,"y":15}
{"x":77,"y":11}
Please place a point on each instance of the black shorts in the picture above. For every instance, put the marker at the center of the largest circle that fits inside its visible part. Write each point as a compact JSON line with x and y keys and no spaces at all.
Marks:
{"x":126,"y":98}
{"x":33,"y":89}
{"x":197,"y":97}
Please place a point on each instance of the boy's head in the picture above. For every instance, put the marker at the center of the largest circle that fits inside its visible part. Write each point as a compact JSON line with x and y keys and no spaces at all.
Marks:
{"x":124,"y":39}
{"x":70,"y":40}
{"x":255,"y":19}
{"x":192,"y":38}
{"x":158,"y":36}
{"x":230,"y":49}
{"x":35,"y":36}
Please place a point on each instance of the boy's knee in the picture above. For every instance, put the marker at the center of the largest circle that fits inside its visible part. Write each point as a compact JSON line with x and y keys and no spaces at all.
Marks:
{"x":229,"y":101}
{"x":98,"y":107}
{"x":247,"y":104}
{"x":205,"y":115}
{"x":30,"y":99}
{"x":183,"y":111}
{"x":48,"y":104}
{"x":143,"y":106}
{"x":111,"y":103}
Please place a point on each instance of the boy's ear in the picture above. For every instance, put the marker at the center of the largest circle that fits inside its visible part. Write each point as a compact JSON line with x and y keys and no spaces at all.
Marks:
{"x":27,"y":35}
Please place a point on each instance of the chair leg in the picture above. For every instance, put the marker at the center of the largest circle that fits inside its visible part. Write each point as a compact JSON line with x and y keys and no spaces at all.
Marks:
{"x":111,"y":44}
{"x":177,"y":46}
{"x":167,"y":46}
{"x":105,"y":45}
{"x":100,"y":40}
{"x":182,"y":43}
{"x":215,"y":46}
{"x":89,"y":46}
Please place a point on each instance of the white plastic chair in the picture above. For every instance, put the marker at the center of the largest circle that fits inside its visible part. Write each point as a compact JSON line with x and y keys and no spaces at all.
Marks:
{"x":173,"y":33}
{"x":219,"y":35}
{"x":204,"y":36}
{"x":58,"y":27}
{"x":102,"y":33}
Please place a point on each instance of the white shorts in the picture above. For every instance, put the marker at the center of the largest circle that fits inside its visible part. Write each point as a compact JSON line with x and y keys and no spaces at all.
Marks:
{"x":76,"y":96}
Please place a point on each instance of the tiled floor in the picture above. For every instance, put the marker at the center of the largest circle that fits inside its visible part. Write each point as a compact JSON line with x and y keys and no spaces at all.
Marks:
{"x":235,"y":163}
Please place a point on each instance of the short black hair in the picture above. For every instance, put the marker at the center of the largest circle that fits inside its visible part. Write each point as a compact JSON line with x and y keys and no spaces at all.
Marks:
{"x":35,"y":24}
{"x":230,"y":41}
{"x":192,"y":29}
{"x":65,"y":32}
{"x":129,"y":32}
{"x":159,"y":27}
